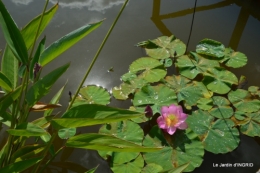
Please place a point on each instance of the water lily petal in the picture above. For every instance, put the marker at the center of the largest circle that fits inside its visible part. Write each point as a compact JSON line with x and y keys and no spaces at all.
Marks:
{"x":171,"y":130}
{"x":183,"y":126}
{"x":161,"y":122}
{"x":164,"y":110}
{"x":182,"y":117}
{"x":173,"y":109}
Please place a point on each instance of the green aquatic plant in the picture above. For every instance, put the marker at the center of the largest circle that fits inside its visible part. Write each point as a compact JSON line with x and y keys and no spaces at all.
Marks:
{"x":22,"y":59}
{"x":218,"y":108}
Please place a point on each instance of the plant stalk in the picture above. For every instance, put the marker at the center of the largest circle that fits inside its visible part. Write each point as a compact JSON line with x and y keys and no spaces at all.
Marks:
{"x":97,"y":54}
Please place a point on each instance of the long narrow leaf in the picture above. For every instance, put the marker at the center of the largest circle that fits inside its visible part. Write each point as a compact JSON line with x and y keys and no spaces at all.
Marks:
{"x":5,"y":82}
{"x":105,"y":142}
{"x":12,"y":35}
{"x":42,"y":87}
{"x":92,"y":114}
{"x":28,"y":32}
{"x":9,"y":66}
{"x":64,"y":43}
{"x":20,"y":166}
{"x":27,"y":129}
{"x":8,"y":99}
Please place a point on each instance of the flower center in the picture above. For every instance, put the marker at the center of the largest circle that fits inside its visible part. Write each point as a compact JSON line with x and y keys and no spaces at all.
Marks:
{"x":171,"y":120}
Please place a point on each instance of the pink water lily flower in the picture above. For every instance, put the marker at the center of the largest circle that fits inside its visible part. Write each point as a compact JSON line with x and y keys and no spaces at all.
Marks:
{"x":171,"y":118}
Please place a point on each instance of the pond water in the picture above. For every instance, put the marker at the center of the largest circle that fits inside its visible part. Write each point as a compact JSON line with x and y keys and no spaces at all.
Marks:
{"x":235,"y":23}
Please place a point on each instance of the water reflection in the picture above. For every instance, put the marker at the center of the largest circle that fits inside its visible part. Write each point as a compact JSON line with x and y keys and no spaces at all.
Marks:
{"x":91,"y":5}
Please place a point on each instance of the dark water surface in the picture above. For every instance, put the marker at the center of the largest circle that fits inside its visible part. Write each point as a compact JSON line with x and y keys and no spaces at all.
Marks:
{"x":235,"y":23}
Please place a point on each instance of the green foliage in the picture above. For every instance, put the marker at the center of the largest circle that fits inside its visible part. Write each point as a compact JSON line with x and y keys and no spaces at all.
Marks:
{"x":92,"y":95}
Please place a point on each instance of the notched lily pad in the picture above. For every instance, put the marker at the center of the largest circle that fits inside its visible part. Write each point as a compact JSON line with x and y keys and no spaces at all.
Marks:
{"x":211,"y":47}
{"x":149,"y":69}
{"x":167,"y":47}
{"x":186,"y":148}
{"x":156,"y":96}
{"x":254,"y":90}
{"x":251,"y":125}
{"x":191,"y":67}
{"x":221,"y":107}
{"x":244,"y":101}
{"x":122,"y":92}
{"x":219,"y":80}
{"x":184,"y":89}
{"x":218,"y":137}
{"x":205,"y":103}
{"x":92,"y":95}
{"x":234,"y":59}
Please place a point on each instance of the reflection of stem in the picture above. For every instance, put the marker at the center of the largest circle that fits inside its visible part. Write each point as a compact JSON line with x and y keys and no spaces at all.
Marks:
{"x":239,"y":28}
{"x":194,"y":10}
{"x":96,"y":56}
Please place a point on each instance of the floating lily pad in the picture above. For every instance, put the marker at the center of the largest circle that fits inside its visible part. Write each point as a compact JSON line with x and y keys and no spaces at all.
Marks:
{"x":219,"y":80}
{"x":204,"y":91}
{"x":126,"y":130}
{"x":234,"y":59}
{"x":205,"y":103}
{"x":127,"y":88}
{"x":128,"y":76}
{"x":251,"y":127}
{"x":92,"y":95}
{"x":148,"y":68}
{"x":244,"y":101}
{"x":157,"y":96}
{"x":152,"y":168}
{"x":186,"y":148}
{"x":167,"y":47}
{"x":66,"y":133}
{"x":218,"y":137}
{"x":166,"y":62}
{"x":221,"y":107}
{"x":240,"y":115}
{"x":254,"y":90}
{"x":184,"y":89}
{"x":190,"y":67}
{"x":211,"y":47}
{"x":141,"y":110}
{"x":134,"y":166}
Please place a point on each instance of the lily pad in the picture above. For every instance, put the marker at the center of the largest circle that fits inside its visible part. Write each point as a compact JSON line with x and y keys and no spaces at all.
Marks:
{"x":218,"y":137}
{"x":167,"y":47}
{"x":184,"y":89}
{"x":191,"y":67}
{"x":148,"y":68}
{"x":186,"y":148}
{"x":166,"y":62}
{"x":126,"y":130}
{"x":254,"y":90}
{"x":221,"y":107}
{"x":92,"y":95}
{"x":211,"y":47}
{"x":152,"y":168}
{"x":126,"y":88}
{"x":251,"y":127}
{"x":134,"y":166}
{"x":128,"y":76}
{"x":205,"y":103}
{"x":244,"y":101}
{"x":66,"y":133}
{"x":157,"y":96}
{"x":219,"y":80}
{"x":234,"y":59}
{"x":141,"y":110}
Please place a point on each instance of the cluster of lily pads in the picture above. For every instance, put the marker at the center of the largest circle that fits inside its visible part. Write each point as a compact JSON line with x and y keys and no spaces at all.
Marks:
{"x":218,"y":105}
